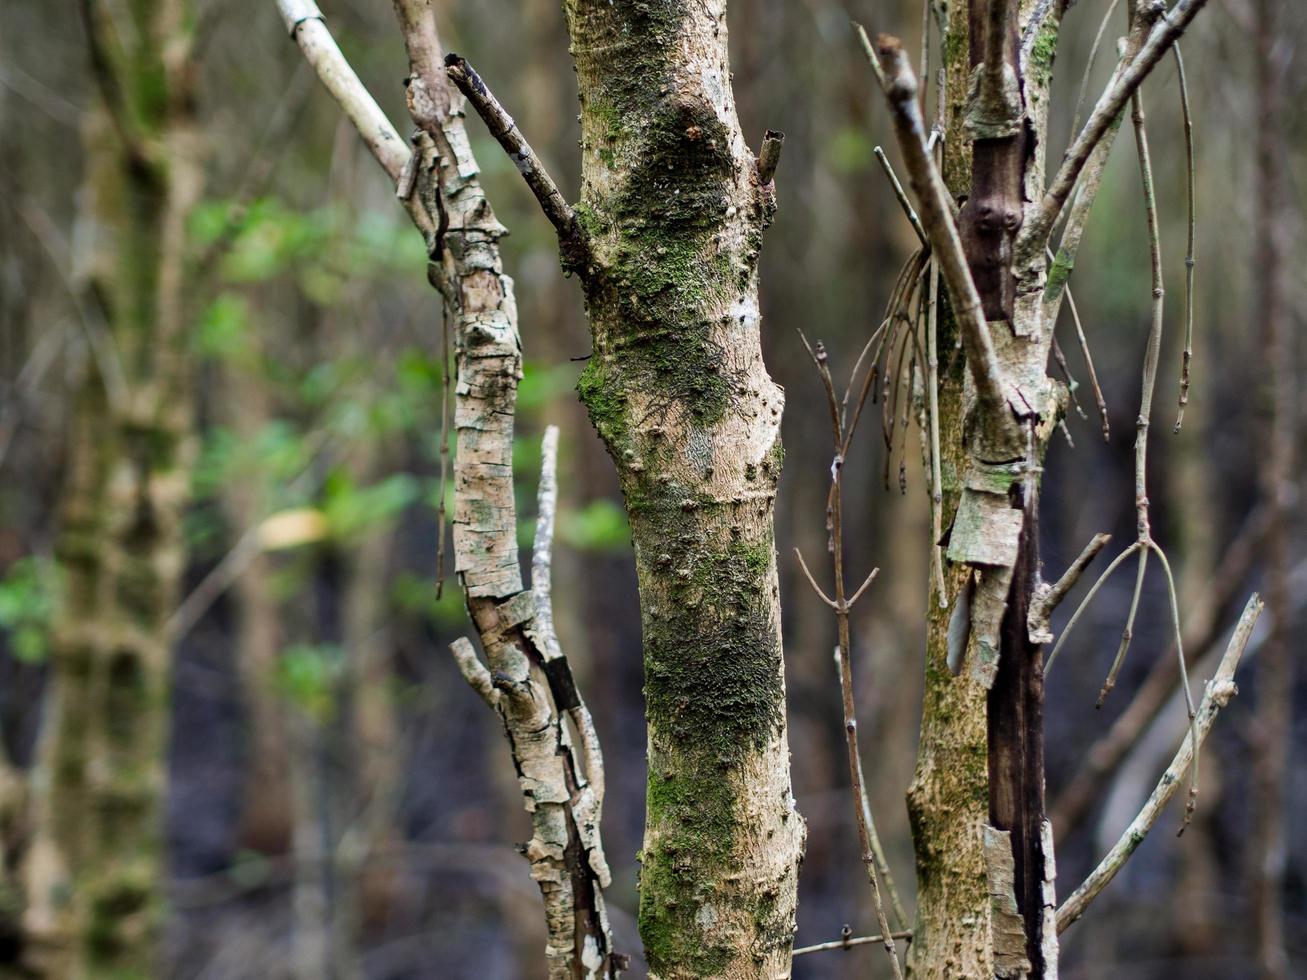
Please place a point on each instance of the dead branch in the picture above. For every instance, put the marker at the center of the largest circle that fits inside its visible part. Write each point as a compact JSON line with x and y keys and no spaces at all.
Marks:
{"x":1218,"y":693}
{"x":941,"y":229}
{"x":850,"y":942}
{"x":505,"y":131}
{"x":1189,"y":261}
{"x":868,"y":840}
{"x":1164,"y":29}
{"x":1109,"y":750}
{"x":1046,"y":597}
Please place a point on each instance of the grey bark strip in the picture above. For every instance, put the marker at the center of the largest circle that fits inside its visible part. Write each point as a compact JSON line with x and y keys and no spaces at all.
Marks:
{"x":565,"y":851}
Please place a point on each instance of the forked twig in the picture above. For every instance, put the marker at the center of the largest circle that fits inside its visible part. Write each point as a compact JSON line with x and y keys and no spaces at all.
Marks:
{"x":867,"y":838}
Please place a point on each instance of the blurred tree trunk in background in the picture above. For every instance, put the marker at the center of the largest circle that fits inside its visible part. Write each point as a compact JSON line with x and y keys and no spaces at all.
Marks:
{"x":1275,"y":673}
{"x":265,"y":817}
{"x":674,"y":210}
{"x":94,"y":872}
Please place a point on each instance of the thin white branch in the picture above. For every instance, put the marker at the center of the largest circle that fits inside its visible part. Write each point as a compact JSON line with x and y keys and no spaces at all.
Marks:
{"x":1219,"y":691}
{"x":305,"y":23}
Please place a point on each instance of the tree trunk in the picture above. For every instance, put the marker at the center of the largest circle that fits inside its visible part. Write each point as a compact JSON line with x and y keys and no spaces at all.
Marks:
{"x":95,"y":870}
{"x":674,"y":211}
{"x":982,"y":842}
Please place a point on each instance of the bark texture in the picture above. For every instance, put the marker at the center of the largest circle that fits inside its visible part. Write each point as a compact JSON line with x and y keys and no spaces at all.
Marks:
{"x":673,"y":210}
{"x":95,"y":867}
{"x":985,"y":901}
{"x":949,"y":796}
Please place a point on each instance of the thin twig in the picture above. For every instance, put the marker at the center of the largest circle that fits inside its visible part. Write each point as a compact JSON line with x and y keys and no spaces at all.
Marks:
{"x":1110,"y":749}
{"x":841,"y":605}
{"x":1192,"y":801}
{"x":901,"y":195}
{"x":878,"y":851}
{"x":1071,"y":383}
{"x":1163,"y":33}
{"x":1218,"y":693}
{"x":1187,"y":356}
{"x":506,"y":133}
{"x":1084,"y":603}
{"x":936,"y":466}
{"x":1089,"y":365}
{"x":850,"y":943}
{"x":1089,"y":65}
{"x":1047,"y":598}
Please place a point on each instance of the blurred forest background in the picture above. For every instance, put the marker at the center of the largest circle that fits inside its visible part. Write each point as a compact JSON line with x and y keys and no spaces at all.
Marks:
{"x":379,"y":793}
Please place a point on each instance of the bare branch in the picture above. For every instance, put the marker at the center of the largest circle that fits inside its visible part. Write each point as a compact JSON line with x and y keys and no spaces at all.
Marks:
{"x":850,"y":942}
{"x":902,"y":197}
{"x":1219,"y":691}
{"x":1189,"y":261}
{"x":305,"y":23}
{"x":1047,"y":597}
{"x":1089,"y":366}
{"x":1164,"y":32}
{"x":505,"y":131}
{"x":812,"y":581}
{"x":1107,"y":753}
{"x":1084,"y":603}
{"x":474,"y":671}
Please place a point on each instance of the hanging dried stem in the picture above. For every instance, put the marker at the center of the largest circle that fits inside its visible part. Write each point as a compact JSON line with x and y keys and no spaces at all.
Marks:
{"x":937,"y":218}
{"x":1218,"y":693}
{"x":1189,"y":261}
{"x":1108,"y":752}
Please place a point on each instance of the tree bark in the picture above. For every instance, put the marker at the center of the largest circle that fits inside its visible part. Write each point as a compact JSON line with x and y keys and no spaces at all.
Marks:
{"x":95,"y":873}
{"x":673,"y":209}
{"x":983,"y":845}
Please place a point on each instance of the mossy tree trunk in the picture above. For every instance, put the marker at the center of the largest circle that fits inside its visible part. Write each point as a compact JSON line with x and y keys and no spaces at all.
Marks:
{"x":94,"y":872}
{"x":673,"y":210}
{"x":976,"y":802}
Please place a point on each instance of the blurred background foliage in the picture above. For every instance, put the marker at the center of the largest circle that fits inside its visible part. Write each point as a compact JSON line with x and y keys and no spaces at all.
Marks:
{"x":317,"y":483}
